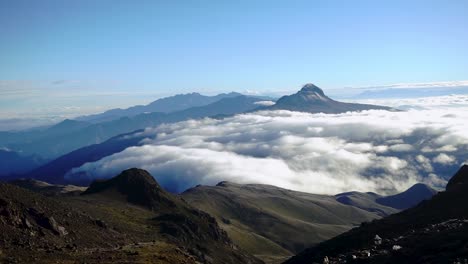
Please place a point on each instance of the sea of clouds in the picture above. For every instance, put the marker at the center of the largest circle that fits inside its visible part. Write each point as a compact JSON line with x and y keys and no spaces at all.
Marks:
{"x":380,"y":151}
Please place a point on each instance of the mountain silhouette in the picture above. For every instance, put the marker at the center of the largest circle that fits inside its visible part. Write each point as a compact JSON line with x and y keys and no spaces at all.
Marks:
{"x":169,"y":104}
{"x":312,"y":99}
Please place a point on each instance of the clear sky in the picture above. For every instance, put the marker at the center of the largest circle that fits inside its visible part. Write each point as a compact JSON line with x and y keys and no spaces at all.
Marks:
{"x":165,"y":47}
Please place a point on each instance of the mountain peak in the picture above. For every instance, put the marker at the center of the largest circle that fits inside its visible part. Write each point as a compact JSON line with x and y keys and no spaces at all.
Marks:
{"x":311,"y":88}
{"x":312,"y":99}
{"x":137,"y":185}
{"x":131,"y":178}
{"x":409,"y":198}
{"x":458,"y":180}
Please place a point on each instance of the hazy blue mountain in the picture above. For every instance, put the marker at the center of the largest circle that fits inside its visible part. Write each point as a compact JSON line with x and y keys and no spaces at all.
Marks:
{"x":386,"y":205}
{"x":312,"y":99}
{"x":30,"y":135}
{"x":408,"y":198}
{"x":164,"y":105}
{"x":54,"y":171}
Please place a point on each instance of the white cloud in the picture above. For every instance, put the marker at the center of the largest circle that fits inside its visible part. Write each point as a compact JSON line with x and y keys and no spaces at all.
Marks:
{"x":401,"y":148}
{"x":418,"y":85}
{"x":376,"y":150}
{"x":423,"y":103}
{"x":265,"y":103}
{"x":444,"y":159}
{"x":425,"y":163}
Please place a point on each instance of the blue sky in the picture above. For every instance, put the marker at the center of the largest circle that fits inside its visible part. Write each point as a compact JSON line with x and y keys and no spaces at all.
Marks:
{"x":82,"y":48}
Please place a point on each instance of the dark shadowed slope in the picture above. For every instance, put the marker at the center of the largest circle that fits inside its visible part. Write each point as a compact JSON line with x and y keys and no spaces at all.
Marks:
{"x":435,"y":231}
{"x":127,"y":219}
{"x":13,"y":163}
{"x":313,"y":100}
{"x":272,"y":222}
{"x":54,"y":171}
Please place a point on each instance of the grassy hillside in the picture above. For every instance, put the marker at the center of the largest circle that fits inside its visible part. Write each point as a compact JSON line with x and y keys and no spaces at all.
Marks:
{"x":274,"y":223}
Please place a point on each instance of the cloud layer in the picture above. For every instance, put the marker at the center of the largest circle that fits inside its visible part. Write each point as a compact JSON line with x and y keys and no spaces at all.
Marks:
{"x":378,"y":151}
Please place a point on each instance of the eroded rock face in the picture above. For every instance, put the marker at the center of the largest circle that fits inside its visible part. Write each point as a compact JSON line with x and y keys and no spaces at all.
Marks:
{"x":30,"y":218}
{"x":185,"y":227}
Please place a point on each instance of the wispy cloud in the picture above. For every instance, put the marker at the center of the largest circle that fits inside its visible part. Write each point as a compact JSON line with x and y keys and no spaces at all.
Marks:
{"x":447,"y":84}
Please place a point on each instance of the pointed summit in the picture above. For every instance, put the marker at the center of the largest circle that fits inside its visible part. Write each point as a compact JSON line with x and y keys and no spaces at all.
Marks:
{"x":409,"y":198}
{"x":312,"y":99}
{"x":311,"y":88}
{"x":137,"y":185}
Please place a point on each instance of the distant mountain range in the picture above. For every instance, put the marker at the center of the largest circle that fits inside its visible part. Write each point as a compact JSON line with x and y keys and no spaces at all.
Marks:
{"x":313,"y":100}
{"x":386,"y":205}
{"x":434,"y":231}
{"x":164,"y":105}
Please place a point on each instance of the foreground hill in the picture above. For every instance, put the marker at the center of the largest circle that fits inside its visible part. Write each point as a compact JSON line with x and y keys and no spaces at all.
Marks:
{"x":435,"y":231}
{"x":274,"y":223}
{"x":312,"y":99}
{"x":127,"y":219}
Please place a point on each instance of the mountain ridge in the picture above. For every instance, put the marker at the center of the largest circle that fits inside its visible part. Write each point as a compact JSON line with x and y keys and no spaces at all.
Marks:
{"x":257,"y":215}
{"x":431,"y":232}
{"x":169,"y":104}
